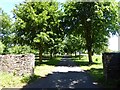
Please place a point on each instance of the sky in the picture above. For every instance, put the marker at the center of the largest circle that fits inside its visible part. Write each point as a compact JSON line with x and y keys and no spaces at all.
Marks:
{"x":8,"y":5}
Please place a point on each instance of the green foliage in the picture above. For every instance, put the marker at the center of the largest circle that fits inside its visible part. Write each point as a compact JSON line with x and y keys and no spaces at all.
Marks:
{"x":6,"y":31}
{"x":94,"y":21}
{"x":5,"y":28}
{"x":38,"y":24}
{"x":20,"y":50}
{"x":35,"y":22}
{"x":96,"y":71}
{"x":83,"y":62}
{"x":2,"y":46}
{"x":46,"y":67}
{"x":53,"y":61}
{"x":9,"y":80}
{"x":29,"y":79}
{"x":73,"y":43}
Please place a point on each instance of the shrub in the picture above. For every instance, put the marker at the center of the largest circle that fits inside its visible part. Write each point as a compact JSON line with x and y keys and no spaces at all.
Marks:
{"x":29,"y":79}
{"x":2,"y":46}
{"x":20,"y":50}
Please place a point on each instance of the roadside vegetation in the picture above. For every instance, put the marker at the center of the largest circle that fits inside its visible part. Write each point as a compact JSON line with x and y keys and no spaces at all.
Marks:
{"x":40,"y":70}
{"x":58,"y":28}
{"x":95,"y":70}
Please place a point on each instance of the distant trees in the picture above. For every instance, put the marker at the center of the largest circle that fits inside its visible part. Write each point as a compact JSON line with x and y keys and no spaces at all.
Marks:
{"x":18,"y":49}
{"x":2,"y":46}
{"x":73,"y":43}
{"x":5,"y":30}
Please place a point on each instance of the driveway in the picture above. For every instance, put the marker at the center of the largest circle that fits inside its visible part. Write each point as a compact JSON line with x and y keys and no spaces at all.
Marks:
{"x":65,"y":75}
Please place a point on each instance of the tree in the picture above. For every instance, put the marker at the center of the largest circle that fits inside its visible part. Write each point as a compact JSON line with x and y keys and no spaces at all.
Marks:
{"x":20,"y":49}
{"x":36,"y":23}
{"x":73,"y":43}
{"x":94,"y":21}
{"x":6,"y":30}
{"x":2,"y":46}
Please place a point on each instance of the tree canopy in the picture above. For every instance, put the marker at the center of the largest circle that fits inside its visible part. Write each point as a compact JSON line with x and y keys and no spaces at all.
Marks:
{"x":94,"y":21}
{"x":37,"y":23}
{"x":53,"y":27}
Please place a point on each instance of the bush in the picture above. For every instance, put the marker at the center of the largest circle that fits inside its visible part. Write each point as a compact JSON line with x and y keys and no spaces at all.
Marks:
{"x":20,"y":50}
{"x":2,"y":46}
{"x":29,"y":79}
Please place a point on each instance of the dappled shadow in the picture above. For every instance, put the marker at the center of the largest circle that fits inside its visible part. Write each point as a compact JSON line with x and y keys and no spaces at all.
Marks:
{"x":43,"y":57}
{"x":37,"y":63}
{"x":65,"y":75}
{"x":29,"y":79}
{"x":82,"y":62}
{"x":97,"y":74}
{"x":48,"y":61}
{"x":66,"y":61}
{"x":68,"y":79}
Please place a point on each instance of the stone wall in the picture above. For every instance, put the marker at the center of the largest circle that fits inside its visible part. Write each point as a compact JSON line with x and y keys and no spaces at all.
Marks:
{"x":111,"y":65}
{"x":17,"y":64}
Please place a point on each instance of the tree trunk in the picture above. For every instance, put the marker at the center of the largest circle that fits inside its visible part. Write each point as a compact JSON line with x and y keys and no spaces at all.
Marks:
{"x":40,"y":54}
{"x":90,"y":56}
{"x":79,"y":54}
{"x":75,"y":53}
{"x":51,"y":54}
{"x":88,"y":37}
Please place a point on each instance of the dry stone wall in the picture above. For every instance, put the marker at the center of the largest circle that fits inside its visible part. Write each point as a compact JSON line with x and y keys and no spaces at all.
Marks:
{"x":17,"y":64}
{"x":111,"y":65}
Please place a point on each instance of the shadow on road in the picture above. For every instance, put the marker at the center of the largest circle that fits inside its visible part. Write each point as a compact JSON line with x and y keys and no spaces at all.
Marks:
{"x":66,"y":75}
{"x":63,"y":80}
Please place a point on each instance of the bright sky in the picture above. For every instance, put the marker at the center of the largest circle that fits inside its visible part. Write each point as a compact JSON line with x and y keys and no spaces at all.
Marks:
{"x":8,"y":5}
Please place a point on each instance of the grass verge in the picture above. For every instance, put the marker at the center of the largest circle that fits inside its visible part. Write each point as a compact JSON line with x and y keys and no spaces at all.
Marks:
{"x":95,"y":70}
{"x":8,"y":80}
{"x":46,"y":66}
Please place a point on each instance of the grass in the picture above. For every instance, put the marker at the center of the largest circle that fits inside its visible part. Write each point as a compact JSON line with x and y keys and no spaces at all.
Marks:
{"x":83,"y":62}
{"x":95,"y":70}
{"x":46,"y":66}
{"x":9,"y":80}
{"x":41,"y":70}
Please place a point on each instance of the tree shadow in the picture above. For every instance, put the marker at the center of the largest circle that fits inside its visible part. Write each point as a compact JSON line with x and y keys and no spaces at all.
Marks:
{"x":77,"y":57}
{"x":66,"y":61}
{"x":43,"y":57}
{"x":48,"y":61}
{"x":97,"y":74}
{"x":29,"y":79}
{"x":84,"y":63}
{"x":81,"y":63}
{"x":63,"y":80}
